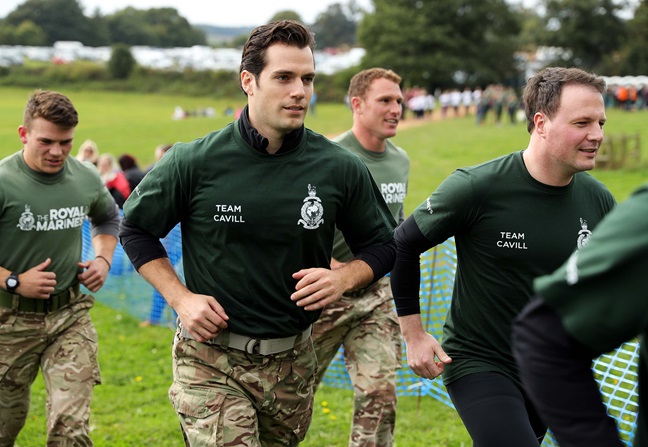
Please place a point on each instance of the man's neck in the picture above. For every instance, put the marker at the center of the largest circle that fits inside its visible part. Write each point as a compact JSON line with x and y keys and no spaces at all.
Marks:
{"x":369,"y":141}
{"x":543,"y":168}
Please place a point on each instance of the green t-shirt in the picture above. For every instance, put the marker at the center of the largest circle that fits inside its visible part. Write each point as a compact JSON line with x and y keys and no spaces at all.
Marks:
{"x":42,"y":215}
{"x":390,"y":171}
{"x":508,"y":230}
{"x":250,"y":220}
{"x":600,"y":292}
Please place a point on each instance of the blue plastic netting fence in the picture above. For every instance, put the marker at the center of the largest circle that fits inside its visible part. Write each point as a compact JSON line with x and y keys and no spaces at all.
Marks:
{"x":616,"y":372}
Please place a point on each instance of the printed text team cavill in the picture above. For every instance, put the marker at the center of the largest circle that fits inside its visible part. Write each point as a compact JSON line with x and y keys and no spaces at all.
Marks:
{"x":232,"y":217}
{"x":512,"y":240}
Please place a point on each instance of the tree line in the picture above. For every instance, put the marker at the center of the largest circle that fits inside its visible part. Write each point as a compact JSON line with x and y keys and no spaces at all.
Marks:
{"x":477,"y":42}
{"x":43,"y":22}
{"x":430,"y":43}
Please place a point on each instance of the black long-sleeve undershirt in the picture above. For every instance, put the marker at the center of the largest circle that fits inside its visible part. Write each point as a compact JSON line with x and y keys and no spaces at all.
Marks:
{"x":406,"y":274}
{"x":139,"y":245}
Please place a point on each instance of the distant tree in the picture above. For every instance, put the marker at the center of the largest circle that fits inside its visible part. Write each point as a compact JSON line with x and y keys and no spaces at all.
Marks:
{"x":437,"y":43}
{"x":101,"y":34}
{"x":121,"y":63}
{"x":28,"y":33}
{"x":239,"y":42}
{"x":59,"y":19}
{"x":335,"y":27}
{"x":128,"y":27}
{"x":533,"y":32}
{"x":590,"y":29}
{"x":286,"y":14}
{"x":159,"y":27}
{"x":172,"y":29}
{"x":7,"y":34}
{"x":634,"y":50}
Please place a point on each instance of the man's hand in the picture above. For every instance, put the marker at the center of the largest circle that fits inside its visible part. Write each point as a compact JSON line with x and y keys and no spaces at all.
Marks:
{"x":422,"y":348}
{"x":94,"y":274}
{"x":201,"y":315}
{"x":317,"y":287}
{"x":421,"y":354}
{"x":37,"y":282}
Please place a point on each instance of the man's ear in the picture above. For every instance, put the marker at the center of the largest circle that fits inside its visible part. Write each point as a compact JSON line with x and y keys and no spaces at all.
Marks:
{"x":540,"y":122}
{"x":247,"y":82}
{"x":355,"y":103}
{"x":22,"y":134}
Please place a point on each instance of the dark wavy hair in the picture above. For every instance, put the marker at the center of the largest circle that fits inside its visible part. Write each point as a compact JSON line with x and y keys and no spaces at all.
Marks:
{"x":289,"y":32}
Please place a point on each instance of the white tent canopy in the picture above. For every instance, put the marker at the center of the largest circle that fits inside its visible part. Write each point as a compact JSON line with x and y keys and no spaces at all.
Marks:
{"x":626,"y":80}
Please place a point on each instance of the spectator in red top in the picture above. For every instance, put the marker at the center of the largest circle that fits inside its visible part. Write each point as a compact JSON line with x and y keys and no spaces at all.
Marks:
{"x":132,"y":172}
{"x":113,"y":178}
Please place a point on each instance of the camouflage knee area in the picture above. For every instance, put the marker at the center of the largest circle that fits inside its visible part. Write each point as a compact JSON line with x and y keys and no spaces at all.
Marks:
{"x":208,"y":417}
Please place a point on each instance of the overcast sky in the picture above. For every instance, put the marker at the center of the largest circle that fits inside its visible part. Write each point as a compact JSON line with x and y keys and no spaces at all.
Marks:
{"x":218,"y":12}
{"x":210,"y":12}
{"x":222,"y":12}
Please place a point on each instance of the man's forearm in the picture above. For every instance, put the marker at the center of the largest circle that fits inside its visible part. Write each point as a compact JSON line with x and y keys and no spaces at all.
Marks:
{"x":161,"y":275}
{"x":411,"y":326}
{"x":356,"y":274}
{"x":104,"y":246}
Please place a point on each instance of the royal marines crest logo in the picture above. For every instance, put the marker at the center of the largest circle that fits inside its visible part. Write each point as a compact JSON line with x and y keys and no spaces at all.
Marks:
{"x":26,"y":221}
{"x":583,"y":235}
{"x":312,"y":210}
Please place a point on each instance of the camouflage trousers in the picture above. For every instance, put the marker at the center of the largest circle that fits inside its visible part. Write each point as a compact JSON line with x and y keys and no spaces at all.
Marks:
{"x":367,"y":327}
{"x":62,"y":343}
{"x":227,"y":397}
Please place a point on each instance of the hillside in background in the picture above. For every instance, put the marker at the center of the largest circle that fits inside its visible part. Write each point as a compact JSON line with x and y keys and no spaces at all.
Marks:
{"x":220,"y":34}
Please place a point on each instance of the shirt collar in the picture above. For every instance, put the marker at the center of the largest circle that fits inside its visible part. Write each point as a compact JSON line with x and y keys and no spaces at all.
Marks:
{"x":260,"y":143}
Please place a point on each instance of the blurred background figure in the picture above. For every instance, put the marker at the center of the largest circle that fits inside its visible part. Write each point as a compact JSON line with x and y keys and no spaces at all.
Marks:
{"x":132,"y":172}
{"x":88,"y":151}
{"x":159,"y":152}
{"x":113,"y":178}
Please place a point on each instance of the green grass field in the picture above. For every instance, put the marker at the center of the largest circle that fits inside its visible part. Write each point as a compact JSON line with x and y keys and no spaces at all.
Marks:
{"x":131,"y":407}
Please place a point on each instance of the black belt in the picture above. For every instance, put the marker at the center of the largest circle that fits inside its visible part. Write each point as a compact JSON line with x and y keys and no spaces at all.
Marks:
{"x":37,"y":305}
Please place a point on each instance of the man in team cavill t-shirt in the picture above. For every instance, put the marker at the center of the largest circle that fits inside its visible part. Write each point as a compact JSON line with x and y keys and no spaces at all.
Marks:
{"x":592,"y":304}
{"x":258,"y":203}
{"x":513,"y":218}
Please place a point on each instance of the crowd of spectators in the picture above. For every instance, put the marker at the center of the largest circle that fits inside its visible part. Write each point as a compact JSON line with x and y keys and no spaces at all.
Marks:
{"x":122,"y":174}
{"x":627,"y":96}
{"x":498,"y":103}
